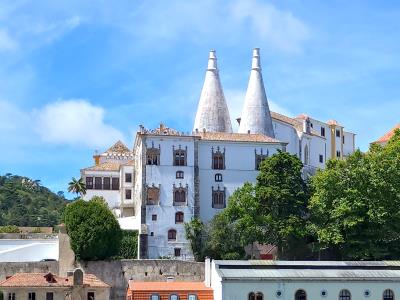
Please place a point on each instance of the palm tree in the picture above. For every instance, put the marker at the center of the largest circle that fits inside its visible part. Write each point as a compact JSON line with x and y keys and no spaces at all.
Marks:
{"x":77,"y":186}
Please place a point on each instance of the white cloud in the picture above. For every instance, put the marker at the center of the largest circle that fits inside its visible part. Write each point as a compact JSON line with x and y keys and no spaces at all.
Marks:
{"x":75,"y":122}
{"x":7,"y":43}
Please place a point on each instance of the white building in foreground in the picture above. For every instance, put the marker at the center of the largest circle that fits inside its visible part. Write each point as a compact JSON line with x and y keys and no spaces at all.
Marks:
{"x":170,"y":177}
{"x":303,"y":280}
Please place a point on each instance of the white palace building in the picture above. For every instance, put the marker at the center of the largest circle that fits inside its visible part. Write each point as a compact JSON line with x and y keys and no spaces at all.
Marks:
{"x":169,"y":177}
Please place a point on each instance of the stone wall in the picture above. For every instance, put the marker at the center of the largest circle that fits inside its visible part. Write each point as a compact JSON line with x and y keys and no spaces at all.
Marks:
{"x":118,"y":273}
{"x":10,"y":268}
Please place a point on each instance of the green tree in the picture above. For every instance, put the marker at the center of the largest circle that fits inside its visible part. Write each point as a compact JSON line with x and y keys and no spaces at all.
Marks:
{"x":355,"y":204}
{"x":196,"y":233}
{"x":77,"y":186}
{"x":94,"y":231}
{"x":129,"y":244}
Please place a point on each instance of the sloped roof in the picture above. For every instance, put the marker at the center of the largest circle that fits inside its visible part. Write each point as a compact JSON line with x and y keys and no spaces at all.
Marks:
{"x":106,"y":166}
{"x":49,"y":280}
{"x":167,"y":286}
{"x":118,"y":147}
{"x":388,"y":135}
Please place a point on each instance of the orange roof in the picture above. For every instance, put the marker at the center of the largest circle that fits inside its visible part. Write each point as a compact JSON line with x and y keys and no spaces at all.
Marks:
{"x":237,"y":137}
{"x":167,"y":286}
{"x":49,"y":280}
{"x":106,"y":166}
{"x":388,"y":135}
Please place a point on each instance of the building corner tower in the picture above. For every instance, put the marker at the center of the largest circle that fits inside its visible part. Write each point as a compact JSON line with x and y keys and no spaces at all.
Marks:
{"x":212,"y":113}
{"x":256,"y":117}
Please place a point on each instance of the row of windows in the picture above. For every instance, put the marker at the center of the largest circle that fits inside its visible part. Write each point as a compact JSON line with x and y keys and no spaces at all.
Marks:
{"x":343,"y":295}
{"x":179,"y":217}
{"x":102,"y":183}
{"x":172,"y":297}
{"x":49,"y":296}
{"x":218,"y":196}
{"x":180,"y":175}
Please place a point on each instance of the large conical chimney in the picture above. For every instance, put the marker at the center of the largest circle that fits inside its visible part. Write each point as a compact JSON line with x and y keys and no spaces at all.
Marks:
{"x":212,"y":113}
{"x":256,"y":117}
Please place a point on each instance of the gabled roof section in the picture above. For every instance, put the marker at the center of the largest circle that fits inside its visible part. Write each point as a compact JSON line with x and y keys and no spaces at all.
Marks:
{"x":105,"y":166}
{"x":118,"y":148}
{"x":388,"y":135}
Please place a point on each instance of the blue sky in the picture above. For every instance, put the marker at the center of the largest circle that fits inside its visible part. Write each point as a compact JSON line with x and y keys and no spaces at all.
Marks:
{"x":75,"y":76}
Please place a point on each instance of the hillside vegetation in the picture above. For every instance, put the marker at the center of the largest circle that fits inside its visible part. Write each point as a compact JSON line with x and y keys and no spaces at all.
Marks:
{"x":24,"y":202}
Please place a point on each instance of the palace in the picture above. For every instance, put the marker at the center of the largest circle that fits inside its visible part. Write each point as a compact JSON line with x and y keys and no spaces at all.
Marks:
{"x":169,"y":177}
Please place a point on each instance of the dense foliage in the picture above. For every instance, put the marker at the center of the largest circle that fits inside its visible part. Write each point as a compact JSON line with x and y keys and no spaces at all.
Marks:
{"x":129,"y":245}
{"x":24,"y":202}
{"x":94,"y":231}
{"x":350,"y":210}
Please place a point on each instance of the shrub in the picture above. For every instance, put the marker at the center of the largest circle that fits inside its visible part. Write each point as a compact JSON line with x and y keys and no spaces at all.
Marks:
{"x":9,"y":229}
{"x":129,"y":244}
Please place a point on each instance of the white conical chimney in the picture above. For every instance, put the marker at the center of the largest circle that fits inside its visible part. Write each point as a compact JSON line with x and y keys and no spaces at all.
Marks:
{"x":256,"y":117}
{"x":212,"y":112}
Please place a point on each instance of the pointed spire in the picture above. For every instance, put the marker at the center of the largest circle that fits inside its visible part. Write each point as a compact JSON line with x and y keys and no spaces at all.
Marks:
{"x":256,"y":117}
{"x":212,"y":113}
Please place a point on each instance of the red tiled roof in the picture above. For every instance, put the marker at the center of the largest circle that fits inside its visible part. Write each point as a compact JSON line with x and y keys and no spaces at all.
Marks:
{"x":388,"y":135}
{"x":167,"y":286}
{"x":49,"y":280}
{"x":237,"y":137}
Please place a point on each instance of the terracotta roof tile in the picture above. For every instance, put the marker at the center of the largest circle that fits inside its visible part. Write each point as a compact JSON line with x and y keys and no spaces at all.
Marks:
{"x":236,"y":137}
{"x":167,"y":286}
{"x":48,"y":280}
{"x":106,"y":166}
{"x":388,"y":135}
{"x":118,"y":147}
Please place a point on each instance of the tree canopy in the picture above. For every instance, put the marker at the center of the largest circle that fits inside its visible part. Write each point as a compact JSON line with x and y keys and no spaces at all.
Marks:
{"x":94,"y":231}
{"x":25,"y":202}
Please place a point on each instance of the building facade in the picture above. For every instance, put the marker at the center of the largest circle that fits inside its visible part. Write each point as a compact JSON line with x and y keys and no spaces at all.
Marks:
{"x":174,"y":176}
{"x":288,"y":280}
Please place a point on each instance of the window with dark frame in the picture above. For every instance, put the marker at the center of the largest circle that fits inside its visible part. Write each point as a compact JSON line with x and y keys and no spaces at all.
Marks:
{"x":344,"y":295}
{"x":256,"y":296}
{"x":115,"y":183}
{"x":179,"y":174}
{"x":89,"y":183}
{"x":49,"y":296}
{"x":179,"y":217}
{"x":128,"y":177}
{"x":337,"y":133}
{"x":218,"y":177}
{"x":155,"y":297}
{"x":98,"y":183}
{"x":128,"y":194}
{"x":337,"y":153}
{"x":300,"y":295}
{"x":153,"y":156}
{"x":218,"y":159}
{"x":321,"y":158}
{"x":322,"y":131}
{"x":388,"y":295}
{"x":179,"y":196}
{"x":192,"y":297}
{"x":177,"y":252}
{"x":172,"y":235}
{"x":11,"y":296}
{"x":179,"y":157}
{"x":106,"y":183}
{"x":343,"y":139}
{"x":90,"y":296}
{"x":32,"y":296}
{"x":218,"y":198}
{"x":153,"y":195}
{"x":154,"y":217}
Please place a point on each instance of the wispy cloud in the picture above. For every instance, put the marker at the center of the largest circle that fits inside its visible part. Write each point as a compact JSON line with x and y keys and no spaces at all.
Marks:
{"x":7,"y":43}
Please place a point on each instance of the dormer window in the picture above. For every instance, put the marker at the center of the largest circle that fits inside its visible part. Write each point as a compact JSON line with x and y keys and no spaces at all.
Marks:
{"x":218,"y":159}
{"x":180,"y":157}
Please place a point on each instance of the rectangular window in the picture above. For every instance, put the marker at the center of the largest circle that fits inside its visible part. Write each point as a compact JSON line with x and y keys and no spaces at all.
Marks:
{"x":128,"y":177}
{"x":337,"y":132}
{"x":32,"y":296}
{"x":154,"y":297}
{"x":322,"y":131}
{"x":338,"y":153}
{"x":11,"y":296}
{"x":97,"y":183}
{"x":115,"y":183}
{"x":177,"y":252}
{"x":180,"y":157}
{"x":321,"y":158}
{"x":192,"y":297}
{"x":218,"y":161}
{"x":154,"y":217}
{"x":106,"y":183}
{"x":50,"y":296}
{"x":218,"y":199}
{"x":90,"y":296}
{"x":128,"y":194}
{"x":180,"y":196}
{"x":153,"y":195}
{"x":343,"y":139}
{"x":89,"y":183}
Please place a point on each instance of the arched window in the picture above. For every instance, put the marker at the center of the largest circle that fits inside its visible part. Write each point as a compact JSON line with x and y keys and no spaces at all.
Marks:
{"x":218,"y":177}
{"x":306,"y":155}
{"x":154,"y":297}
{"x":344,"y":295}
{"x":300,"y":295}
{"x":256,"y":296}
{"x":388,"y":295}
{"x":179,"y":217}
{"x":218,"y":159}
{"x":179,"y":196}
{"x":173,"y":297}
{"x":171,"y":235}
{"x":179,"y":174}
